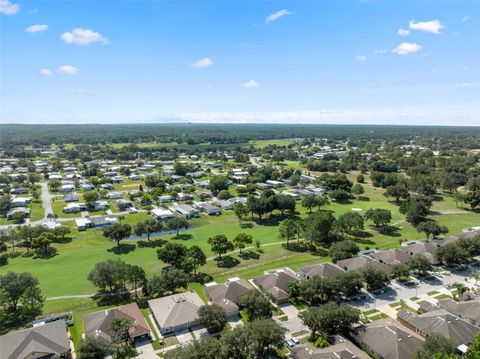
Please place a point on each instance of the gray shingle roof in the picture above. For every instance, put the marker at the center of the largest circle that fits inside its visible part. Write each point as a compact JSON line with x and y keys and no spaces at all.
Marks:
{"x":50,"y":338}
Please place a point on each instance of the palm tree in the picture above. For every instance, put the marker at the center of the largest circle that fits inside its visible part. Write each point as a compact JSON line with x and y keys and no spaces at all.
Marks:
{"x":460,"y":289}
{"x":475,"y":276}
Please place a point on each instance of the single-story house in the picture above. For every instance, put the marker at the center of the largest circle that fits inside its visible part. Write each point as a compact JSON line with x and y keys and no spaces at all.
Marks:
{"x":67,"y":188}
{"x":360,"y":262}
{"x":467,"y":310}
{"x":209,"y":209}
{"x":275,"y":184}
{"x":162,"y":213}
{"x":101,"y":205}
{"x":186,"y":211}
{"x":227,"y":295}
{"x":114,"y":195}
{"x":388,"y":339}
{"x":20,"y":202}
{"x":82,"y":224}
{"x":275,"y":284}
{"x":24,"y":210}
{"x":166,"y":199}
{"x":341,"y":348}
{"x":439,"y":321}
{"x":87,"y":186}
{"x":103,"y":221}
{"x":324,"y":270}
{"x":176,"y":312}
{"x":122,"y":204}
{"x":75,"y":208}
{"x":428,"y":249}
{"x":49,"y":340}
{"x":224,"y":204}
{"x":70,"y":197}
{"x":19,"y":190}
{"x":391,"y":257}
{"x":98,"y":323}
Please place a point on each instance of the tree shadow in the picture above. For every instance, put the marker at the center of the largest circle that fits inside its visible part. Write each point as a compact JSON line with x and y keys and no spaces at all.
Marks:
{"x":364,"y":241}
{"x":390,"y":231}
{"x":50,"y":253}
{"x":249,"y":255}
{"x":363,"y":198}
{"x":183,"y":237}
{"x":63,"y":240}
{"x":246,"y":225}
{"x":103,"y":298}
{"x":201,"y":278}
{"x":227,"y":262}
{"x":300,"y":247}
{"x":363,"y":234}
{"x":123,"y":248}
{"x":151,"y":243}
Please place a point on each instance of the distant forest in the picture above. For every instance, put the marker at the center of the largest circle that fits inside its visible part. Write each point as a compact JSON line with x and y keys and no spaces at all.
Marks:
{"x":13,"y":135}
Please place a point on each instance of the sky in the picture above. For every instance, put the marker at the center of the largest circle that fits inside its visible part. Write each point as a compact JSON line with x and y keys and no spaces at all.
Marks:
{"x":355,"y":62}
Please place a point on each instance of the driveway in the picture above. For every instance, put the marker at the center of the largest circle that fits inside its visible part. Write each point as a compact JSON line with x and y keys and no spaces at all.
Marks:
{"x":294,"y":325}
{"x":184,"y":337}
{"x":145,"y":350}
{"x":235,"y":322}
{"x":289,"y":310}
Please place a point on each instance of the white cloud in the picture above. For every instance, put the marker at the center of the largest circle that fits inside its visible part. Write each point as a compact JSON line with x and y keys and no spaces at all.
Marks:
{"x":433,"y":26}
{"x":45,"y":72}
{"x":403,"y":32}
{"x":67,"y":70}
{"x":277,"y":15}
{"x":251,"y":84}
{"x":8,"y":8}
{"x":380,"y":51}
{"x":36,"y":28}
{"x":467,"y":18}
{"x":406,"y":48}
{"x":205,"y":62}
{"x":361,"y":58}
{"x":79,"y":36}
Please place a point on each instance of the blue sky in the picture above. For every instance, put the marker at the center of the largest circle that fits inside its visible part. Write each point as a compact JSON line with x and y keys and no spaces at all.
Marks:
{"x":405,"y":62}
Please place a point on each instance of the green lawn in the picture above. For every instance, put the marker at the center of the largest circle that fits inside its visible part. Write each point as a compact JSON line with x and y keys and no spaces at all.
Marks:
{"x":66,"y":273}
{"x":36,"y":210}
{"x":265,"y":143}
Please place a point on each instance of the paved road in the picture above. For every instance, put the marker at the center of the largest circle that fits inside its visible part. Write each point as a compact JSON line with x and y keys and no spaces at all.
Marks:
{"x":46,"y":200}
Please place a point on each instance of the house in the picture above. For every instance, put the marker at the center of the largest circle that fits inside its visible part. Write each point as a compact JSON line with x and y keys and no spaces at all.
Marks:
{"x":360,"y":262}
{"x":176,"y":312}
{"x":203,"y":194}
{"x":87,"y":186}
{"x":97,"y":324}
{"x":82,"y":224}
{"x":391,"y":257}
{"x":467,"y":310}
{"x":186,"y":211}
{"x":227,"y":295}
{"x":24,"y":210}
{"x":324,"y":270}
{"x":184,"y":197}
{"x":388,"y":339}
{"x":19,"y":202}
{"x":203,"y":184}
{"x":114,"y":195}
{"x":49,"y":340}
{"x":19,"y":190}
{"x":209,"y":209}
{"x":439,"y":321}
{"x":66,"y":188}
{"x":275,"y":284}
{"x":197,"y":174}
{"x":263,"y":186}
{"x":224,"y":204}
{"x":101,"y":205}
{"x":75,"y":208}
{"x":341,"y":348}
{"x":292,"y":194}
{"x":166,"y":199}
{"x":122,"y":204}
{"x":162,"y":213}
{"x":274,"y":184}
{"x":70,"y":197}
{"x":102,"y":221}
{"x":427,"y":249}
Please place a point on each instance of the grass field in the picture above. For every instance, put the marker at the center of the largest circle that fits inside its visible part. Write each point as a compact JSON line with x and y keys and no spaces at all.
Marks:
{"x":265,"y":143}
{"x":66,"y":273}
